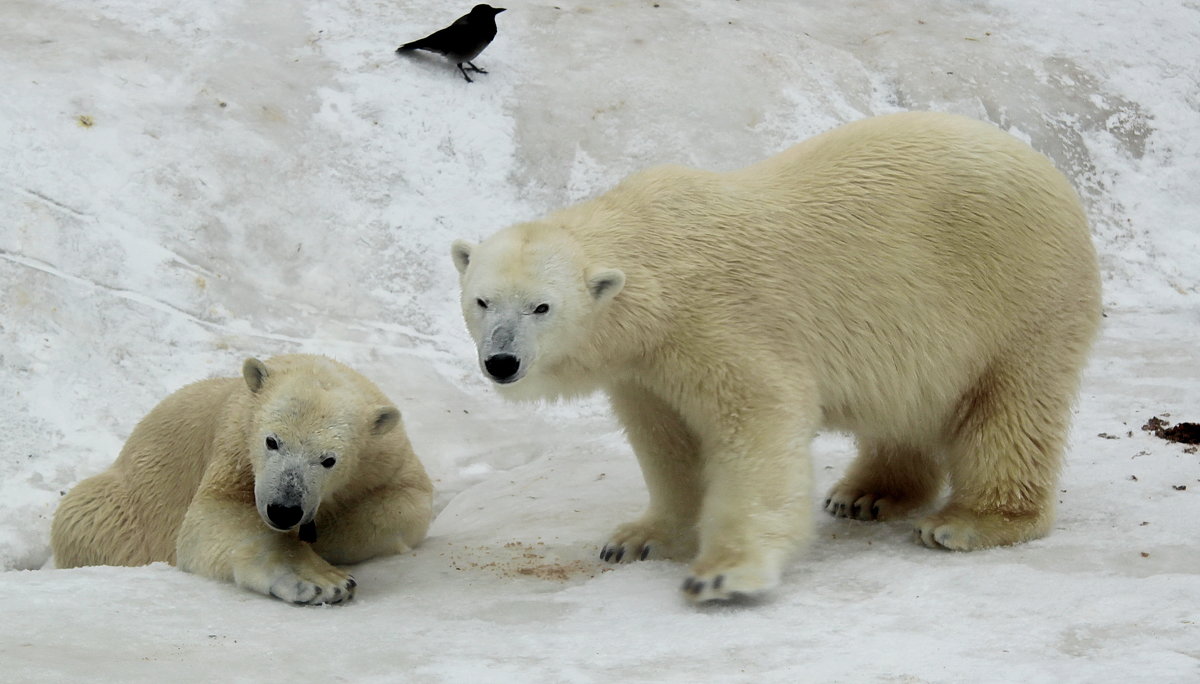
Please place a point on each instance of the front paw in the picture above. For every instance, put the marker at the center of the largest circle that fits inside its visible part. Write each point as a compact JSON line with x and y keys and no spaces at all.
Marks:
{"x":647,"y":540}
{"x":312,"y":588}
{"x":720,"y":579}
{"x":297,"y":575}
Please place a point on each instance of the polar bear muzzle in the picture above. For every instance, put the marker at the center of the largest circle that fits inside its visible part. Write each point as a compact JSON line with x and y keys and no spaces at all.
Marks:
{"x":283,"y":517}
{"x":286,"y":495}
{"x":503,"y":368}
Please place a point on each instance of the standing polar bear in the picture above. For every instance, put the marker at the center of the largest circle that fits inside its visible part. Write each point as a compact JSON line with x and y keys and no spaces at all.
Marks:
{"x":921,"y":280}
{"x":232,"y":478}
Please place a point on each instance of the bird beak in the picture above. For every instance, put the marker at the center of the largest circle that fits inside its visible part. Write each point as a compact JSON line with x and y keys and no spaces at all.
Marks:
{"x":499,"y":9}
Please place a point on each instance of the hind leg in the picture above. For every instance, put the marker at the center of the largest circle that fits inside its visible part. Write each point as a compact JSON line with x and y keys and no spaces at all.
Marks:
{"x":1003,"y":460}
{"x":95,"y":525}
{"x":885,"y":482}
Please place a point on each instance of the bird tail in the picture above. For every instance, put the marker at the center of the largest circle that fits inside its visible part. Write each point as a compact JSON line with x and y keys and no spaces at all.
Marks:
{"x":409,"y":47}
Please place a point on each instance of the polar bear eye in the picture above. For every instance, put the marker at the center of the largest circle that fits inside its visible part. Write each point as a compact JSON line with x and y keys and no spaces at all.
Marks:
{"x":482,"y":304}
{"x":272,"y":443}
{"x":329,"y":462}
{"x":541,"y":308}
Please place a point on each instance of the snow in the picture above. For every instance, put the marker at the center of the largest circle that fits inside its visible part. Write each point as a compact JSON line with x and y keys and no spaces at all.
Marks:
{"x":188,"y":184}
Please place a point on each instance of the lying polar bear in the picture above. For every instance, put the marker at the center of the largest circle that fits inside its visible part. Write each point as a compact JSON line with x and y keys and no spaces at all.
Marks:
{"x":231,"y":478}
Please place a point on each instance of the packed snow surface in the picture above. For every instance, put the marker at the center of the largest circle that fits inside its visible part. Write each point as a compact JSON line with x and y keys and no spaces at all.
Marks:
{"x":185,"y":184}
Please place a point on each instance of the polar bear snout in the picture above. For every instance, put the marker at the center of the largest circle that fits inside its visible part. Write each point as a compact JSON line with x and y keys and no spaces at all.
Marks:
{"x":503,"y":368}
{"x":286,"y":510}
{"x":286,"y":497}
{"x":283,"y":517}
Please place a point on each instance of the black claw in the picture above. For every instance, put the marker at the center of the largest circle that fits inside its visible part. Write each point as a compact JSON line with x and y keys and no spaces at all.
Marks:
{"x":854,"y":511}
{"x":351,"y":583}
{"x":718,"y":581}
{"x":603,"y":550}
{"x":620,"y":555}
{"x":687,"y":584}
{"x":697,"y":588}
{"x":608,"y":553}
{"x":875,"y":511}
{"x":645,"y":553}
{"x":827,"y":502}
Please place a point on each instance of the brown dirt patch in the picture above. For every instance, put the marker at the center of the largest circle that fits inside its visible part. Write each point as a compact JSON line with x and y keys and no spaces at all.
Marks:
{"x":1183,"y":433}
{"x":522,"y":559}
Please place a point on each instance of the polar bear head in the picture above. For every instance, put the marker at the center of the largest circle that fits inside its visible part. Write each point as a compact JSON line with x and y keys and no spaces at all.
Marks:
{"x":306,"y":436}
{"x":529,"y":300}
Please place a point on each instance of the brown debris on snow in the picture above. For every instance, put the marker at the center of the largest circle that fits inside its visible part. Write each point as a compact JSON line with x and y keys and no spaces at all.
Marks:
{"x":1184,"y":433}
{"x":523,"y":559}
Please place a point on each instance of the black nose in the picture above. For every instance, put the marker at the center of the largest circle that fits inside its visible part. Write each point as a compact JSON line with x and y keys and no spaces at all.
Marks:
{"x":502,"y":366}
{"x":284,"y":517}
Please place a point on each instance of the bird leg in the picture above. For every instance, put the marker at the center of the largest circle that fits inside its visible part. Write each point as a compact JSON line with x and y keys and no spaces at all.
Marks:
{"x":464,"y":72}
{"x":475,"y":68}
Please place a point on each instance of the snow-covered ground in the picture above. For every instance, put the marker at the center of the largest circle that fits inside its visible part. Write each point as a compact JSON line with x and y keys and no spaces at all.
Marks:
{"x":186,"y":184}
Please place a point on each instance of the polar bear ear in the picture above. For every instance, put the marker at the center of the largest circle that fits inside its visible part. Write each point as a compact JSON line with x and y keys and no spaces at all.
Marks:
{"x":461,"y":252}
{"x":605,"y":283}
{"x":384,"y":419}
{"x":255,"y":373}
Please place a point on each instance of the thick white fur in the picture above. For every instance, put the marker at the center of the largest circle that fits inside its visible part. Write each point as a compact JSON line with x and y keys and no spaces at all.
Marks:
{"x":924,"y":281}
{"x":184,"y":488}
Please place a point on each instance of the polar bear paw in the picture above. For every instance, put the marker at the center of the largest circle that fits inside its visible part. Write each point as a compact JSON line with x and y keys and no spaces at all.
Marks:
{"x":646,"y":541}
{"x":296,"y":589}
{"x":850,"y":503}
{"x":958,"y":528}
{"x":297,"y":581}
{"x":745,"y":580}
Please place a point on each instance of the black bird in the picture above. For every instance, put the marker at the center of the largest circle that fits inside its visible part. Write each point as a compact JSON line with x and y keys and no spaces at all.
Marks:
{"x":463,"y":40}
